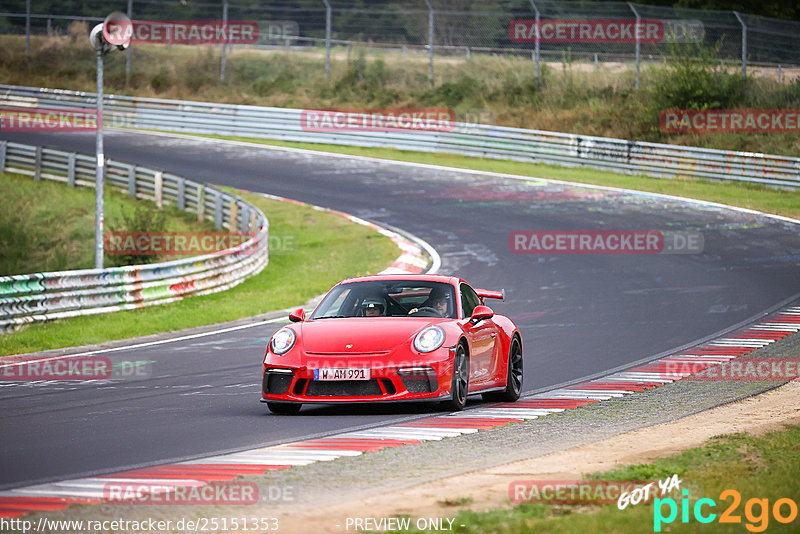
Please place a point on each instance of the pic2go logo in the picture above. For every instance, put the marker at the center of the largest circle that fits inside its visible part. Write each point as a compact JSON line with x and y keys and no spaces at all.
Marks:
{"x":756,"y":511}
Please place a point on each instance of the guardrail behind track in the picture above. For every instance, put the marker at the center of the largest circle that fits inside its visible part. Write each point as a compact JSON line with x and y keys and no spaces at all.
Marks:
{"x":54,"y":295}
{"x":499,"y":142}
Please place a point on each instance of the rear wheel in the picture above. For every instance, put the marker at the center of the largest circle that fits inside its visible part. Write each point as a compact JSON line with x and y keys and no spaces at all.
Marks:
{"x":459,"y":384}
{"x":281,"y":408}
{"x":513,"y":376}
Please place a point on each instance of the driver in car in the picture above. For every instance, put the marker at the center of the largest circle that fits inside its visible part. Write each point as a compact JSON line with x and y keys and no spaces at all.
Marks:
{"x":372,"y":307}
{"x":436,"y":300}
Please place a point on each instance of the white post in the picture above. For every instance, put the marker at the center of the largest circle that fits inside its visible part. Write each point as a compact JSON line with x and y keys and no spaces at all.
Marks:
{"x":128,"y":51}
{"x":430,"y":40}
{"x":99,"y":168}
{"x":744,"y":44}
{"x":225,"y":44}
{"x":536,"y":50}
{"x":328,"y":16}
{"x":638,"y":41}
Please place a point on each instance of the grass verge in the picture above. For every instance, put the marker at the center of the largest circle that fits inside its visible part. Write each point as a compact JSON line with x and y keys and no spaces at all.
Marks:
{"x":321,"y":254}
{"x":762,"y":469}
{"x":47,"y":226}
{"x":768,"y":200}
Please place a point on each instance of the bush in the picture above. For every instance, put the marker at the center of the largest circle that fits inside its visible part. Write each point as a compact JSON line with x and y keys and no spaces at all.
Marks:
{"x":451,"y":94}
{"x":694,"y":80}
{"x":162,"y":80}
{"x":143,"y":219}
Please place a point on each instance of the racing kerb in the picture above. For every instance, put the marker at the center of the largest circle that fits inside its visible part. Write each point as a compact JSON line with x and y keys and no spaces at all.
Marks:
{"x":480,"y":140}
{"x":54,"y":295}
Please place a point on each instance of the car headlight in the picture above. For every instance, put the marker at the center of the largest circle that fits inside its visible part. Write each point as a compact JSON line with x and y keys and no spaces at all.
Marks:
{"x":429,"y":339}
{"x":282,"y":341}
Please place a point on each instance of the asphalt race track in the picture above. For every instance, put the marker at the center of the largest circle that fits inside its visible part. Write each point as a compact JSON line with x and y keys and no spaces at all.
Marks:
{"x":579,"y":314}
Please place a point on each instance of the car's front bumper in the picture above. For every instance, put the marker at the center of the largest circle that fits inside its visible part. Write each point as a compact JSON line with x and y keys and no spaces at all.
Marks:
{"x":390,"y":379}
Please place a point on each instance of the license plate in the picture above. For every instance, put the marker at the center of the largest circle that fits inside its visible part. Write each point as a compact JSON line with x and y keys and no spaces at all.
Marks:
{"x":346,"y":373}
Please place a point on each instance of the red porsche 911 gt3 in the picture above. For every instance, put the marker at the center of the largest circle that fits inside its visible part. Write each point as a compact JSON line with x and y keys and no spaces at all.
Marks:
{"x":394,"y":338}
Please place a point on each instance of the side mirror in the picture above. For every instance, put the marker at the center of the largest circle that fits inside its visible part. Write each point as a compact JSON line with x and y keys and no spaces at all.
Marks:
{"x":480,"y":313}
{"x":298,"y":316}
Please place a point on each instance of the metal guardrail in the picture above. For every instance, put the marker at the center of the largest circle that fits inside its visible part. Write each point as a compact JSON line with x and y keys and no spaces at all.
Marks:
{"x":56,"y":295}
{"x":487,"y":141}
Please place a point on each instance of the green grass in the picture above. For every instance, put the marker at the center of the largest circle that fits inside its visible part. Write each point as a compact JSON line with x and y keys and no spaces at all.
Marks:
{"x":768,"y":200}
{"x":764,"y":467}
{"x":47,"y":226}
{"x":323,"y":256}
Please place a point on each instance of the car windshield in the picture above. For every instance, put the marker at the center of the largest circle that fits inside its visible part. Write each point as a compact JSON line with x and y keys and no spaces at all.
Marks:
{"x":388,"y":298}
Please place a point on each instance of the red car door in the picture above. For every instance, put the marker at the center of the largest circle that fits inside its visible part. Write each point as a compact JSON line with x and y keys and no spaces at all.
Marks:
{"x":483,"y":339}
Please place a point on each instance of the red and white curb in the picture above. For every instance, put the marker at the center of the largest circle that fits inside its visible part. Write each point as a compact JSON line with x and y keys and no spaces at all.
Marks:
{"x":226,"y":467}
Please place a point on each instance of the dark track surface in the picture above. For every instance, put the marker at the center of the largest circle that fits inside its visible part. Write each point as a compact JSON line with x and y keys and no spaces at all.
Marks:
{"x":579,"y":314}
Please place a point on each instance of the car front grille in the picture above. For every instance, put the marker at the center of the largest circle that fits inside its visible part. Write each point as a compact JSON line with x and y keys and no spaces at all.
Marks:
{"x":343,"y":388}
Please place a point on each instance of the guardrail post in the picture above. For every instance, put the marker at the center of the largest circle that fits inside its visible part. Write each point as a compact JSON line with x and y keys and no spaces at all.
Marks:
{"x":3,"y":151}
{"x":132,"y":181}
{"x":71,"y":169}
{"x":245,"y":218}
{"x":253,"y":222}
{"x":638,"y":41}
{"x":158,"y":189}
{"x":37,"y":172}
{"x":218,"y":210}
{"x":181,"y":194}
{"x":201,"y":203}
{"x":234,"y":215}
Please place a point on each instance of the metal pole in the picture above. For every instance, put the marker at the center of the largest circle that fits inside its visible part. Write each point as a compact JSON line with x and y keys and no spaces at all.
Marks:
{"x":27,"y":27}
{"x":99,"y":169}
{"x":430,"y":40}
{"x":536,"y":50}
{"x":638,"y":42}
{"x":328,"y":16}
{"x":744,"y":45}
{"x":224,"y":45}
{"x":128,"y":51}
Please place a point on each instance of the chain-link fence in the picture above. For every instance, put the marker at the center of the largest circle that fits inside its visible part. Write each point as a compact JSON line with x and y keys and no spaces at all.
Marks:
{"x":544,"y":30}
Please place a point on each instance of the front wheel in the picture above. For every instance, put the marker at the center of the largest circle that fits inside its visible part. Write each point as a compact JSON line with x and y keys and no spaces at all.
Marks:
{"x":460,"y":381}
{"x":513,"y":376}
{"x":281,"y":408}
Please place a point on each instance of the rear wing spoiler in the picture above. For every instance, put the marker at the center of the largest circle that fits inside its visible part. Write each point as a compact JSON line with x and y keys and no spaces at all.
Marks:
{"x":486,"y":294}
